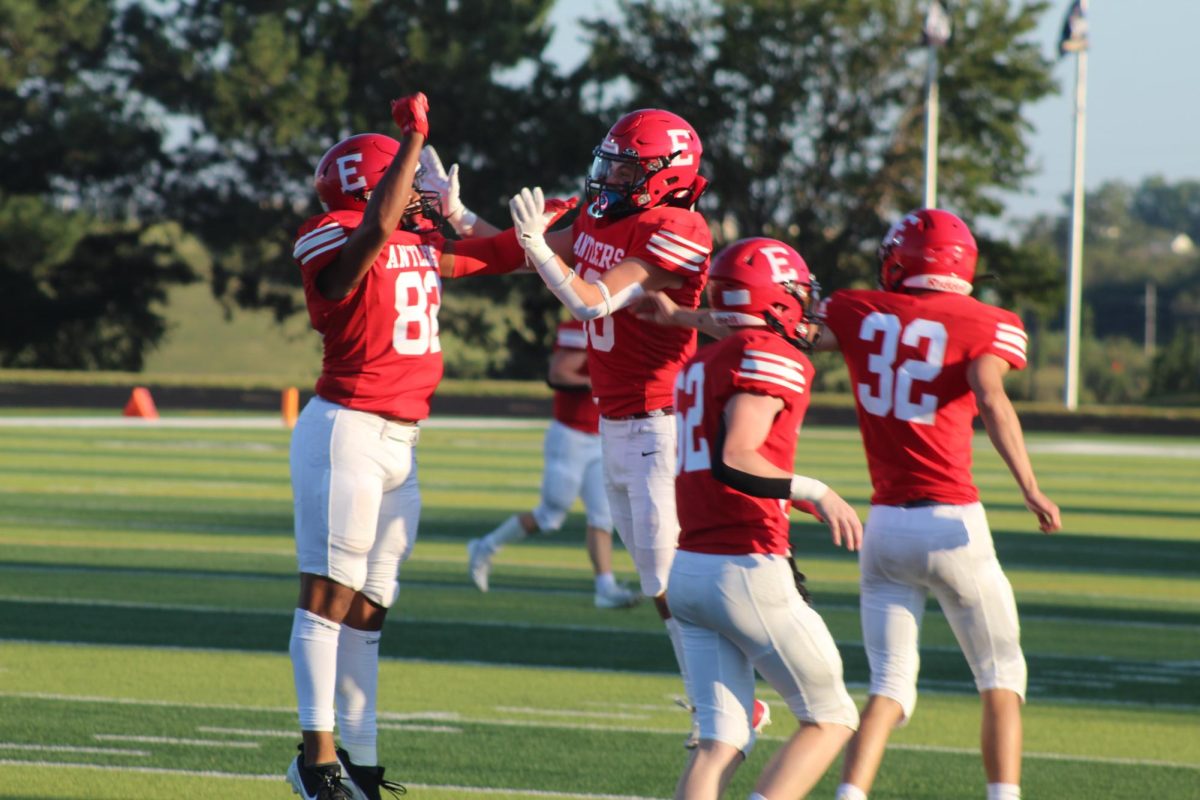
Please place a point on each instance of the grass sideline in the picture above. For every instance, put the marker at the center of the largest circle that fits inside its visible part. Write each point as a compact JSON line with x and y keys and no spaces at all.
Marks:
{"x":452,"y":387}
{"x":148,"y":576}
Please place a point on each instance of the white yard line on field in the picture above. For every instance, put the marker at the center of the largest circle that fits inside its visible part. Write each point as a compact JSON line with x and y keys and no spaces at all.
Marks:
{"x":66,"y":748}
{"x":567,"y":712}
{"x":1092,"y":447}
{"x":276,"y":777}
{"x":270,"y":421}
{"x":524,"y":723}
{"x":117,"y":737}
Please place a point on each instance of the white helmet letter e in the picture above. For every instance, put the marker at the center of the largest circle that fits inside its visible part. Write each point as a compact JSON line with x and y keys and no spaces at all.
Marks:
{"x":347,"y":170}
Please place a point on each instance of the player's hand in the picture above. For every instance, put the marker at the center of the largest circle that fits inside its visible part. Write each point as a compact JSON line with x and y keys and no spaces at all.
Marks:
{"x":1049,"y":518}
{"x":410,"y":113}
{"x":842,"y":520}
{"x":435,"y":178}
{"x":528,"y":208}
{"x":557,"y":208}
{"x":656,"y":307}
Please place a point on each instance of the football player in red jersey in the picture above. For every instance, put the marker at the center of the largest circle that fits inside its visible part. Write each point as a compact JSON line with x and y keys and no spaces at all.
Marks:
{"x":572,"y":468}
{"x":739,"y":406}
{"x":372,"y":268}
{"x":924,"y":358}
{"x":639,"y":233}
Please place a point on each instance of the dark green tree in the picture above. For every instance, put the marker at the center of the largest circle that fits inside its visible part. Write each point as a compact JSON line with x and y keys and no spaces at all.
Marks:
{"x":811,"y":112}
{"x":266,"y":88}
{"x":79,"y":156}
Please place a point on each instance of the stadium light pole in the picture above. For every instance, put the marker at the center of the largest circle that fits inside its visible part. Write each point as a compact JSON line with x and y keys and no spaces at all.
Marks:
{"x":1074,"y":40}
{"x":934,"y":34}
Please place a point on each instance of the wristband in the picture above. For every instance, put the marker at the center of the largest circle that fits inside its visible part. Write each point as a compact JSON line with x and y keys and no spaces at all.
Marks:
{"x":803,"y":488}
{"x":544,"y":261}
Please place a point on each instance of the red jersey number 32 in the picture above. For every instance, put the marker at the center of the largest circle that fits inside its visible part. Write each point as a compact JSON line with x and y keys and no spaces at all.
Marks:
{"x":894,"y":391}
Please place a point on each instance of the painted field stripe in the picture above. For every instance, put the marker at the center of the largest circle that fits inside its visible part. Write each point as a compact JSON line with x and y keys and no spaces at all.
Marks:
{"x":568,"y":712}
{"x":9,"y":762}
{"x":513,"y":723}
{"x":417,"y":727}
{"x":278,"y":778}
{"x":116,"y":737}
{"x":276,"y":733}
{"x":251,"y":422}
{"x":66,"y":748}
{"x":974,"y":753}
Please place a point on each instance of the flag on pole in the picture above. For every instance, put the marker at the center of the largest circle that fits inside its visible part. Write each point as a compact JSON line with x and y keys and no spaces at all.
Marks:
{"x":1074,"y":36}
{"x":936,"y":31}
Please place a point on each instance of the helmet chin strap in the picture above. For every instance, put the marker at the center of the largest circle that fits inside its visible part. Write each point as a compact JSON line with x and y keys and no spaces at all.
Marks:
{"x":803,"y":345}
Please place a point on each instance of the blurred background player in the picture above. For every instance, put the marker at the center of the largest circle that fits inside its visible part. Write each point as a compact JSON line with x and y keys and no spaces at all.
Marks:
{"x":740,"y":403}
{"x":639,"y":232}
{"x":372,"y":268}
{"x":572,"y":468}
{"x":924,"y":358}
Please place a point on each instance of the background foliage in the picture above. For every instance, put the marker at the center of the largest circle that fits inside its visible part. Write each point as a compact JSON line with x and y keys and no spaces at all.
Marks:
{"x":148,"y":144}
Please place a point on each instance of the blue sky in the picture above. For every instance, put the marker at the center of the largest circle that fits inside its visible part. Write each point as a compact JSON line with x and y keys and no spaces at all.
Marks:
{"x":1143,"y":108}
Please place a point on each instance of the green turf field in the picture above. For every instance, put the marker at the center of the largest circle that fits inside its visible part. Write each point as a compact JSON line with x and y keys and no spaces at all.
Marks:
{"x":147,"y":581}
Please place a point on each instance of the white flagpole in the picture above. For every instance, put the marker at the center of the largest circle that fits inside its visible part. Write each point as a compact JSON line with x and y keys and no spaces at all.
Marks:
{"x":935,"y":32}
{"x":931,"y":128}
{"x":1075,"y":274}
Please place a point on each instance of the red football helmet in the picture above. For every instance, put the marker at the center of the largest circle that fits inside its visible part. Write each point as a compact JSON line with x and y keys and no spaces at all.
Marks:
{"x":650,"y":157}
{"x":761,"y":281}
{"x":353,"y":167}
{"x":928,"y":249}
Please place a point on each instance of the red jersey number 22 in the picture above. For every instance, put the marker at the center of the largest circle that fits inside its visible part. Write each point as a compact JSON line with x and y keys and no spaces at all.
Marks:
{"x":894,"y":391}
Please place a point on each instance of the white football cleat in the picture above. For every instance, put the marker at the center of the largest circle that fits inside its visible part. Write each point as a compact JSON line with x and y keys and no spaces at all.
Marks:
{"x":617,"y":597}
{"x":479,"y":563}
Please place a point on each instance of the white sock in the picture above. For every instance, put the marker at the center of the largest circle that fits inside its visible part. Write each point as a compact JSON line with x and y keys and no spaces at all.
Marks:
{"x":676,"y":635}
{"x":1003,"y":791}
{"x":756,"y":796}
{"x":508,"y":531}
{"x":357,"y":685}
{"x":314,"y":649}
{"x":848,"y":791}
{"x":605,"y":583}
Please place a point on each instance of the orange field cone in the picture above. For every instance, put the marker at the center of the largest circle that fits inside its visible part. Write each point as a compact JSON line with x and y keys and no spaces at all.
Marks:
{"x":141,"y":404}
{"x":290,"y":406}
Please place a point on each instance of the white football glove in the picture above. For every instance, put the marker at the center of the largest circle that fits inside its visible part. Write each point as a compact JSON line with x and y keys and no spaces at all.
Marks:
{"x":435,"y":178}
{"x":530,"y":219}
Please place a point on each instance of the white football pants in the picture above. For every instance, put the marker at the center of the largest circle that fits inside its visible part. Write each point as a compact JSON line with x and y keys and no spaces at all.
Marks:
{"x":355,"y":494}
{"x":947,"y":550}
{"x":573,"y":468}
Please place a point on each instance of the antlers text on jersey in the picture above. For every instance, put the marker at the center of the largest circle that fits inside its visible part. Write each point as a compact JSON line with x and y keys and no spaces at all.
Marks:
{"x":407,"y":256}
{"x":598,"y":254}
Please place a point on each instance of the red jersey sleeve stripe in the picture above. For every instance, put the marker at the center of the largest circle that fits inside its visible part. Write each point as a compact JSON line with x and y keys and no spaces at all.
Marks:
{"x":1004,"y":327}
{"x":1018,"y":352}
{"x":677,"y":250}
{"x":764,"y":377}
{"x":319,"y":241}
{"x":757,"y":365}
{"x":1010,"y":339}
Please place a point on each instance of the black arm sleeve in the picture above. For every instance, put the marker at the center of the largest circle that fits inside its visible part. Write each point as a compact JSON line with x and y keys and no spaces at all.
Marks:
{"x":568,"y":387}
{"x":745,"y":482}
